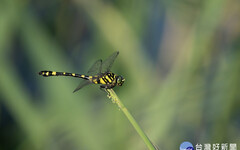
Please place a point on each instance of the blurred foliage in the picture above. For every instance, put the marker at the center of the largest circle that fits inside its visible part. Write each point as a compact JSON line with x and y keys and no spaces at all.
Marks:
{"x":180,"y":60}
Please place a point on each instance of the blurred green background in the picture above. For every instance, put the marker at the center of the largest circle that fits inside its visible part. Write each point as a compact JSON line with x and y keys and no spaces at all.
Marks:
{"x":181,"y":61}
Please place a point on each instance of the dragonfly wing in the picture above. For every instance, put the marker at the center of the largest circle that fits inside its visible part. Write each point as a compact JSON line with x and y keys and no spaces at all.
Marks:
{"x":98,"y":67}
{"x":82,"y":84}
{"x":107,"y":64}
{"x":95,"y":68}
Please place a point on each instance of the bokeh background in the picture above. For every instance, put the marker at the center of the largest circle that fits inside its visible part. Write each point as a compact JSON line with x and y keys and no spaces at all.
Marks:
{"x":181,"y":61}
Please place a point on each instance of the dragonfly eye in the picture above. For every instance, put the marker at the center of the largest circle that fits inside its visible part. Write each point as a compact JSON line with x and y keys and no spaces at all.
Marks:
{"x":120,"y":80}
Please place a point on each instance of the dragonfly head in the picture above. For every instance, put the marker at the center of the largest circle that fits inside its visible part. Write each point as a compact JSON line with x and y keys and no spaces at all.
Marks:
{"x":120,"y":80}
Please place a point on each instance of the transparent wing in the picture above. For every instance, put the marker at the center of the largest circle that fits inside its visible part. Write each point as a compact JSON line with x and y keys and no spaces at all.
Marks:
{"x":94,"y":70}
{"x":107,"y":64}
{"x":82,"y":84}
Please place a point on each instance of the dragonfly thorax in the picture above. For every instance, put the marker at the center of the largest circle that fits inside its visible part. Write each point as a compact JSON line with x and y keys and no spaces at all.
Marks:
{"x":109,"y":80}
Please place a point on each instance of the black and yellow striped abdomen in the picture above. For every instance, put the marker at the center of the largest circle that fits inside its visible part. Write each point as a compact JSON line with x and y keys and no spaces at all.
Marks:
{"x":53,"y":73}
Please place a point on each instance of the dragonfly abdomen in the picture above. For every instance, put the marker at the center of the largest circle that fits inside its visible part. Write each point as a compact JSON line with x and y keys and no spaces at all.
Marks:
{"x":54,"y":73}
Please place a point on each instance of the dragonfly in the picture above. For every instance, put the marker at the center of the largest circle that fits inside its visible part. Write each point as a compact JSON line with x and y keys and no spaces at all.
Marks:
{"x":99,"y":73}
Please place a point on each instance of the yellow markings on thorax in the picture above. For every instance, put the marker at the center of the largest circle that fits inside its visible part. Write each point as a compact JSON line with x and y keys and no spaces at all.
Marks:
{"x":110,"y":75}
{"x":64,"y":73}
{"x":102,"y":81}
{"x":54,"y":73}
{"x":47,"y":73}
{"x":83,"y":76}
{"x":73,"y":74}
{"x":109,"y":80}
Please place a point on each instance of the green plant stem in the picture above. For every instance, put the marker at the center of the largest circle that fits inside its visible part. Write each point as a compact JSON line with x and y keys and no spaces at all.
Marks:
{"x":116,"y":100}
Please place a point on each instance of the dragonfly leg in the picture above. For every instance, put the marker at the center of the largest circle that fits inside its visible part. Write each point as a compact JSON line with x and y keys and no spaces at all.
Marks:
{"x":104,"y":88}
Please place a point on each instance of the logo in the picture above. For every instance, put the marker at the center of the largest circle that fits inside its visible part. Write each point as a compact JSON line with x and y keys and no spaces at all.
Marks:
{"x":186,"y":146}
{"x":208,"y":146}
